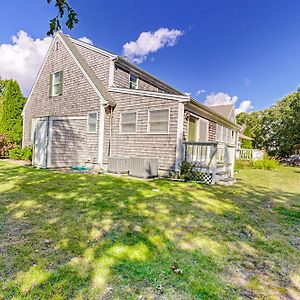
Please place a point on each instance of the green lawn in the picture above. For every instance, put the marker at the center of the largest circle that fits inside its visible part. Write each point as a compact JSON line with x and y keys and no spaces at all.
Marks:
{"x":75,"y":236}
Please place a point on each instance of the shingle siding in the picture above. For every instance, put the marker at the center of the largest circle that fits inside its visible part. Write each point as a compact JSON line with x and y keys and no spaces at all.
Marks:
{"x":212,"y":130}
{"x":78,"y":96}
{"x":71,"y":144}
{"x":146,"y":86}
{"x":121,"y":80}
{"x":142,"y":144}
{"x":97,"y":61}
{"x":212,"y":127}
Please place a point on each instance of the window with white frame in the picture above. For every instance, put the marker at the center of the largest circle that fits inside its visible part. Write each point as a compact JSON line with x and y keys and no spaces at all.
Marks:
{"x":56,"y":83}
{"x":92,"y":122}
{"x":128,"y":122}
{"x":225,"y":135}
{"x":232,"y":136}
{"x":158,"y":121}
{"x":133,"y":81}
{"x":160,"y":90}
{"x":203,"y":129}
{"x":219,"y":135}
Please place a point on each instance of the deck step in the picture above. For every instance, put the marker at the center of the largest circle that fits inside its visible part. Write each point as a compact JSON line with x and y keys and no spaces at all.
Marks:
{"x":226,"y":181}
{"x":223,"y":173}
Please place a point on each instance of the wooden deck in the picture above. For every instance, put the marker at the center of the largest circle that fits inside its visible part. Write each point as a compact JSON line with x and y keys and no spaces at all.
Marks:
{"x":214,"y":159}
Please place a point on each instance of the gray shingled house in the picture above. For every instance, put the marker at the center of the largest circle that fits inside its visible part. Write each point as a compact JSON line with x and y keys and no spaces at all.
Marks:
{"x":88,"y":104}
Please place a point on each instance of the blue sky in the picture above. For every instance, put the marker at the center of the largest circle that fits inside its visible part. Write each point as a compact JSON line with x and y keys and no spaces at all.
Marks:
{"x":249,"y":50}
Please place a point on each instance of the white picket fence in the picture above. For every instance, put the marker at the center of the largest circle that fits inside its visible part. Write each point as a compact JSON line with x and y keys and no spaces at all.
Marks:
{"x":249,"y":154}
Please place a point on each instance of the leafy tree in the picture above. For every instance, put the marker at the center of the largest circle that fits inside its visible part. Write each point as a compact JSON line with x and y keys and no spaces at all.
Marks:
{"x":11,"y":107}
{"x":2,"y":87}
{"x":63,"y":8}
{"x":276,"y":129}
{"x":252,"y":126}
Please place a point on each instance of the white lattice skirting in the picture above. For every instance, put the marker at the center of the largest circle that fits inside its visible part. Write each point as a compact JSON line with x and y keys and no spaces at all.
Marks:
{"x":206,"y":178}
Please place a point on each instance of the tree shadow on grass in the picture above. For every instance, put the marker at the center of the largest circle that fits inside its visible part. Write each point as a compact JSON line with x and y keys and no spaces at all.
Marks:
{"x":93,"y":236}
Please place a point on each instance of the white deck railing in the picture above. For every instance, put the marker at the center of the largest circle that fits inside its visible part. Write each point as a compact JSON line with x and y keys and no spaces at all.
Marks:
{"x":210,"y":156}
{"x":249,"y":154}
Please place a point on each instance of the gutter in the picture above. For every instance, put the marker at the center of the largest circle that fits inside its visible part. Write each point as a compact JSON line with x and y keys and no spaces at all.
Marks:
{"x":212,"y":112}
{"x":146,"y":74}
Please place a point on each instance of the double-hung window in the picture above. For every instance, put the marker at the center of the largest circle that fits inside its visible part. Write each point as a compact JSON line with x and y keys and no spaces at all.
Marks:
{"x":159,"y":121}
{"x":219,"y":135}
{"x":56,"y":80}
{"x":92,"y":122}
{"x":133,"y":81}
{"x":128,"y":122}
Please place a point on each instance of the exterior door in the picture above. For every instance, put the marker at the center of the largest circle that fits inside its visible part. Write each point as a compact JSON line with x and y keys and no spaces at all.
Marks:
{"x":192,"y":134}
{"x":41,"y":142}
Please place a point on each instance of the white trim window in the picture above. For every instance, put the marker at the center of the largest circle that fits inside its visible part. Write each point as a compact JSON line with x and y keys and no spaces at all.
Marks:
{"x":219,"y":133}
{"x":203,"y":129}
{"x":158,"y":121}
{"x":128,"y":122}
{"x":56,"y":83}
{"x":133,"y":81}
{"x":232,"y":137}
{"x":92,"y":122}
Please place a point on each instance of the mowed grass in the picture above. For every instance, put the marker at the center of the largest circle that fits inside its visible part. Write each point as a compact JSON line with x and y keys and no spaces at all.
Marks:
{"x":80,"y":236}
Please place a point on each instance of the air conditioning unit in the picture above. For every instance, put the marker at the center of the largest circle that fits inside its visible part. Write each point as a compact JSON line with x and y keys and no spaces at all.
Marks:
{"x":118,"y":165}
{"x":143,"y":167}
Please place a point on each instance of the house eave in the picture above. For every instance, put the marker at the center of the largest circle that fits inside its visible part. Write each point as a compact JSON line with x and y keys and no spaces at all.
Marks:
{"x":179,"y":98}
{"x":122,"y":62}
{"x":210,"y":114}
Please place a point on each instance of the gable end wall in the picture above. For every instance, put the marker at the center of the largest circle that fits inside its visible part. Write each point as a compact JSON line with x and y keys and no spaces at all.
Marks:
{"x":78,"y":96}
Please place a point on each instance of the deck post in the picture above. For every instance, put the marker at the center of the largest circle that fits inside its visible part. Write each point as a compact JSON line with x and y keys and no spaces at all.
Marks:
{"x":231,"y":160}
{"x":213,"y":166}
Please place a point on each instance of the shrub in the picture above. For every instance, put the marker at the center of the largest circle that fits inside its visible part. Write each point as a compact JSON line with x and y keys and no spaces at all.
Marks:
{"x":5,"y":145}
{"x":189,"y":172}
{"x":241,"y":164}
{"x":265,"y":163}
{"x":21,"y":153}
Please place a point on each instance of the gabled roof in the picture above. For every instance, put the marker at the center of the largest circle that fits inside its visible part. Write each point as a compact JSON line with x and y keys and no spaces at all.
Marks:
{"x":86,"y":67}
{"x":88,"y":72}
{"x":127,"y":64}
{"x":223,"y":110}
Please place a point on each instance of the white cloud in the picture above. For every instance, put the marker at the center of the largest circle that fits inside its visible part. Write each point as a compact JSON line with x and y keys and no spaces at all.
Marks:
{"x":219,"y":99}
{"x":199,"y":92}
{"x":86,"y":40}
{"x":22,"y":58}
{"x":223,"y":99}
{"x":150,"y":42}
{"x":188,"y":94}
{"x":245,"y":106}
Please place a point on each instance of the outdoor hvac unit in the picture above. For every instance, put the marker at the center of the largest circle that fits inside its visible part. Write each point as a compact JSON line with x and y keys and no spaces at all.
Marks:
{"x":143,"y":167}
{"x":119,"y":165}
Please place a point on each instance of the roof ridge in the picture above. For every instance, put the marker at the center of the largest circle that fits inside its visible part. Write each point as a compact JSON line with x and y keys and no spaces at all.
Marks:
{"x":121,"y":58}
{"x":92,"y":47}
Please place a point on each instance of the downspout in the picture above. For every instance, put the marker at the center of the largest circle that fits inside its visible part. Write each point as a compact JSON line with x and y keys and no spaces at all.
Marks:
{"x":110,"y":129}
